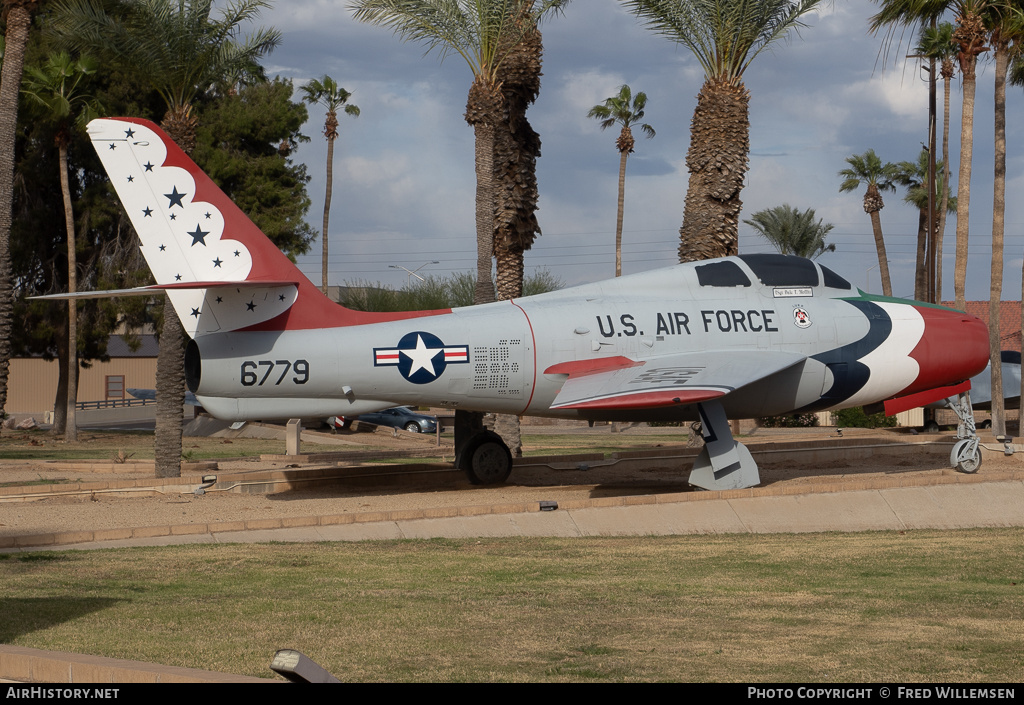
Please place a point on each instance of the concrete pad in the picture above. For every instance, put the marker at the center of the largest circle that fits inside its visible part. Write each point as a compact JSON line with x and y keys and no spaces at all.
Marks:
{"x":363,"y":531}
{"x":486,"y":525}
{"x":864,"y":510}
{"x":295,"y":535}
{"x":555,"y":523}
{"x":993,"y":504}
{"x":55,"y":667}
{"x":708,"y":517}
{"x":958,"y":506}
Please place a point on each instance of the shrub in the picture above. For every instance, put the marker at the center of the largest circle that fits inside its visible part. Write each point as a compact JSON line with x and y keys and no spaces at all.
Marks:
{"x":856,"y":418}
{"x":790,"y":421}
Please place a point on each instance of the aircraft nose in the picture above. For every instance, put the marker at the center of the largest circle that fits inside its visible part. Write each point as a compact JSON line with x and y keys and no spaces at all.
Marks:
{"x":953,"y":348}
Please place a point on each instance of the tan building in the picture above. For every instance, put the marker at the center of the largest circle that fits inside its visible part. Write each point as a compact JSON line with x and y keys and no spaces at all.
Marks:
{"x":32,"y":381}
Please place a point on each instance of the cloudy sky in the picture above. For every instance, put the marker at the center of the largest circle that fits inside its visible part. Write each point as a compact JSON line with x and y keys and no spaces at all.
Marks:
{"x":404,"y":179}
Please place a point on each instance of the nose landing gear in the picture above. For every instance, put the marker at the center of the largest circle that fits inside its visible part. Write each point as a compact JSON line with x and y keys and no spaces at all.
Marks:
{"x":966,"y":454}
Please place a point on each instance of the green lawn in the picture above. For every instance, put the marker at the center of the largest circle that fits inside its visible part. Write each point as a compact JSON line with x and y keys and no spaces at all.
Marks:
{"x":910,"y":606}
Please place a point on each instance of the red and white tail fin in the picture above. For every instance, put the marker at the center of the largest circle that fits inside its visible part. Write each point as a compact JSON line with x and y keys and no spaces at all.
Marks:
{"x":221,"y":272}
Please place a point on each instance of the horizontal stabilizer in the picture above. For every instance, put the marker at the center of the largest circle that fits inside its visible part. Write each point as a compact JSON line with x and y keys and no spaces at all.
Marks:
{"x":686,"y":378}
{"x":159,"y":288}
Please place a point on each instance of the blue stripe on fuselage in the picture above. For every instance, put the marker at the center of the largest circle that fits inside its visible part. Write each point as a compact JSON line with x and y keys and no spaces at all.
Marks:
{"x":846,"y":384}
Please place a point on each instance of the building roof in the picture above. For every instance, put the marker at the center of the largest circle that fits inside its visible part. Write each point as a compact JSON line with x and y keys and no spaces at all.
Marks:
{"x":1009,"y":320}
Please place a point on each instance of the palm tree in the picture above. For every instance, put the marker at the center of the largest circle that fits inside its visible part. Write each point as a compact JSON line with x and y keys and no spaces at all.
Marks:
{"x":618,"y":110}
{"x":914,"y":176}
{"x":1007,"y":32}
{"x":937,"y":43}
{"x":173,"y":45}
{"x":725,"y":36}
{"x":325,"y":91}
{"x":792,"y":232}
{"x":516,"y":149}
{"x":179,"y":49}
{"x":18,"y":14}
{"x":1016,"y":76}
{"x":483,"y":33}
{"x":55,"y":86}
{"x":867,"y":169}
{"x":969,"y":36}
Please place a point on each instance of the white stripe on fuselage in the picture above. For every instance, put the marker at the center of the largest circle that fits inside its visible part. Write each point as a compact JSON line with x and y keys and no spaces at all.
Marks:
{"x":892,"y":368}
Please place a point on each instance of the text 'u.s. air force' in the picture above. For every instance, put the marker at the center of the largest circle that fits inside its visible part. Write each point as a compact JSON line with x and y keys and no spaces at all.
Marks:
{"x":679,"y":323}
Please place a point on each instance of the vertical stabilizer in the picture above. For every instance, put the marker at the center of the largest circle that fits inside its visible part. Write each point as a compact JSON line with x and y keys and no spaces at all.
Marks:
{"x":221,"y":272}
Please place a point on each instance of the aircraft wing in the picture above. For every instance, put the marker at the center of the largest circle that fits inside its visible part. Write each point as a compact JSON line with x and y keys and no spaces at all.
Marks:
{"x":686,"y":378}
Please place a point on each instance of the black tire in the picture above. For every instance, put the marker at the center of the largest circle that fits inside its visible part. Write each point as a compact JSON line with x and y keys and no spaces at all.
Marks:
{"x":412,"y":427}
{"x":486,"y":459}
{"x":931,"y":427}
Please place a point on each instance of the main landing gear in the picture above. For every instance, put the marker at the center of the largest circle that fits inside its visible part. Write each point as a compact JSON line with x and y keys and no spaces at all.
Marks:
{"x":724,"y":464}
{"x":480,"y":453}
{"x":966,"y":454}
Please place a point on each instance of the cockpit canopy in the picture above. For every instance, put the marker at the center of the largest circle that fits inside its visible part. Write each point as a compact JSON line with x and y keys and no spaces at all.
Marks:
{"x":770,"y":270}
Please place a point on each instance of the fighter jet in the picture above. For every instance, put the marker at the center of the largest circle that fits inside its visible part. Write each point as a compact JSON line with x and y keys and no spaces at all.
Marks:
{"x":741,"y":337}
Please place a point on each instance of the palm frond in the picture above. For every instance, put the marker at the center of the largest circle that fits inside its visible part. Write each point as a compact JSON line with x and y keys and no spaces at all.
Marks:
{"x":723,"y":35}
{"x":482,"y":32}
{"x":791,"y":231}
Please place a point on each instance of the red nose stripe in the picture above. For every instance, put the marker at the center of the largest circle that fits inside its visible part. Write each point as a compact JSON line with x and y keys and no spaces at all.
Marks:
{"x":954,"y":347}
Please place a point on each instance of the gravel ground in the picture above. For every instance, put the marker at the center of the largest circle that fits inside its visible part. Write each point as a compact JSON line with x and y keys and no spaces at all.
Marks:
{"x":99,"y":511}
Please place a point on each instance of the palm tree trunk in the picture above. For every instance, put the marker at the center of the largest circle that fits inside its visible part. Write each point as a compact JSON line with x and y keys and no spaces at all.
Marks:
{"x":60,"y":399}
{"x":170,"y":394}
{"x":484,"y":292}
{"x":998,"y":216}
{"x":18,"y":23}
{"x":717,"y":161}
{"x":963,"y":190}
{"x":618,"y":220}
{"x":71,"y":425}
{"x":920,"y":270}
{"x":327,"y":206}
{"x":180,"y":126}
{"x":920,"y":278}
{"x":483,"y":113}
{"x":883,"y":260}
{"x":927,"y":271}
{"x":510,"y":274}
{"x":516,"y":149}
{"x":510,"y":286}
{"x":940,"y":233}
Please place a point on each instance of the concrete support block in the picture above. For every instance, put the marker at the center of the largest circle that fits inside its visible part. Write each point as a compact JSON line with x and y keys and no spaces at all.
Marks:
{"x":292,"y":434}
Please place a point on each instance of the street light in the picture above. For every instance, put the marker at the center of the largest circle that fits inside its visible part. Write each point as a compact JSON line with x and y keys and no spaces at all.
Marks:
{"x":867,"y":276}
{"x":412,"y":272}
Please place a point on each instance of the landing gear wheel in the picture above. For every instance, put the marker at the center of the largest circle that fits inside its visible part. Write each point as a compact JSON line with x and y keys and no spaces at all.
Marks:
{"x":966,"y":456}
{"x":486,"y":459}
{"x":931,"y":427}
{"x":412,"y":427}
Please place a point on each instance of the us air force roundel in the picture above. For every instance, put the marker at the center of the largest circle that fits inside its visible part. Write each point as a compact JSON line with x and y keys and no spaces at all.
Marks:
{"x":421,"y":357}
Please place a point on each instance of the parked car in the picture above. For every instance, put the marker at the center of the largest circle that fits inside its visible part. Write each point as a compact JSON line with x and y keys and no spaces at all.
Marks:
{"x":396,"y":417}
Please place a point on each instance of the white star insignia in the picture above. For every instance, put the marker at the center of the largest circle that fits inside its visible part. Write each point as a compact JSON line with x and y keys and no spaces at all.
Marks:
{"x":422,"y":357}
